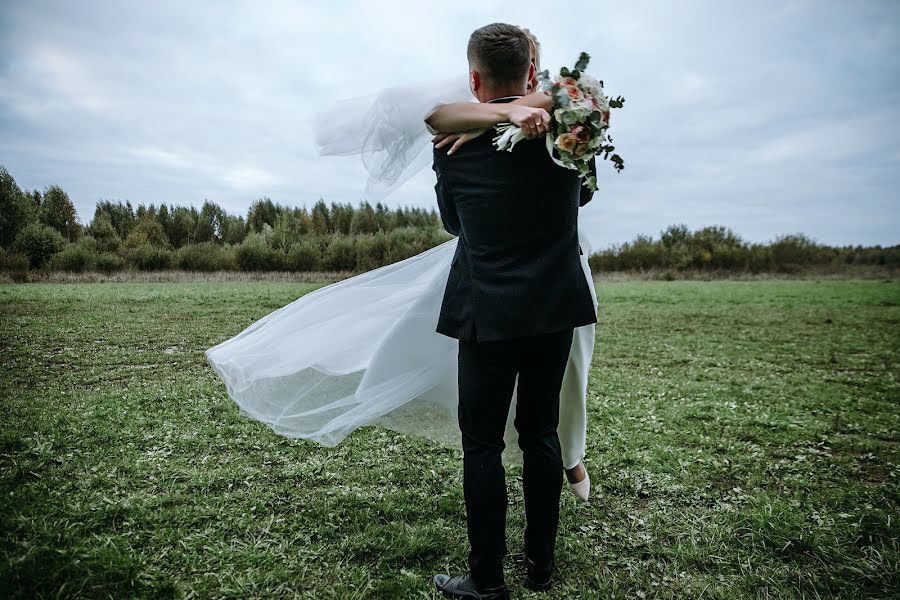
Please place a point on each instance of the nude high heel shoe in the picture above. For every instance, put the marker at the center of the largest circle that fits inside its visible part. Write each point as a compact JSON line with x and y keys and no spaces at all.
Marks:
{"x":580,"y":489}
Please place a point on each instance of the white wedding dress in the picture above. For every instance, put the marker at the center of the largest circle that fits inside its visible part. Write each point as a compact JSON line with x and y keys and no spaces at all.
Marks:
{"x":364,"y":351}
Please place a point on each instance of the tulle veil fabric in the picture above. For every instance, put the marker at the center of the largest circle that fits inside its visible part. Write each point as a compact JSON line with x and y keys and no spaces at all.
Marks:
{"x":387,"y":131}
{"x":364,"y":351}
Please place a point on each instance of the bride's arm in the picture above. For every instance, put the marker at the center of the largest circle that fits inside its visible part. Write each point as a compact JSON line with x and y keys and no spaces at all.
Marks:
{"x":465,"y":116}
{"x":456,"y":123}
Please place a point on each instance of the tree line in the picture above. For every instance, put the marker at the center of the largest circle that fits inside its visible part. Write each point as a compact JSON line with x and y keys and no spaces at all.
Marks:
{"x":719,"y":249}
{"x":41,"y":230}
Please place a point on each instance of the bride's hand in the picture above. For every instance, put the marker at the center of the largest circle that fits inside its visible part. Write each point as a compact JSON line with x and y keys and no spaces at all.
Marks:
{"x":534,"y":122}
{"x":457,"y":139}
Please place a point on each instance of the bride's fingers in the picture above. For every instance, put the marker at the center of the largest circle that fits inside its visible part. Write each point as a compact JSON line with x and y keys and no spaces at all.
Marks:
{"x":457,"y":144}
{"x":542,"y":124}
{"x":439,"y":138}
{"x":446,"y":140}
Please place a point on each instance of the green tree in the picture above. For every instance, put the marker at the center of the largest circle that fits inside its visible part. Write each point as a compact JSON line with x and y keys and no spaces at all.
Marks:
{"x":715,"y":235}
{"x":58,"y":212}
{"x":181,"y":230}
{"x":289,"y":227}
{"x":794,"y":251}
{"x":675,"y":235}
{"x":164,"y":217}
{"x":262,"y":211}
{"x":103,"y":232}
{"x":17,"y":209}
{"x":304,"y":255}
{"x":371,"y":251}
{"x":341,"y":218}
{"x":36,"y":198}
{"x":340,"y":254}
{"x":121,"y":215}
{"x":384,"y":220}
{"x":400,"y":218}
{"x":321,"y":220}
{"x":364,"y":220}
{"x":209,"y":223}
{"x":233,"y":229}
{"x":148,"y":231}
{"x":254,"y":254}
{"x":302,"y":220}
{"x":38,"y":242}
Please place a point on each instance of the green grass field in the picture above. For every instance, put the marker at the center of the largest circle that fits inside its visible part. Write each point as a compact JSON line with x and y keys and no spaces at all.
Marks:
{"x":743,"y":443}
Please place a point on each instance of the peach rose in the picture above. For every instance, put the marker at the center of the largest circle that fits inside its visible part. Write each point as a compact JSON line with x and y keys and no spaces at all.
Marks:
{"x":566,"y":142}
{"x":567,"y":81}
{"x":574,"y":92}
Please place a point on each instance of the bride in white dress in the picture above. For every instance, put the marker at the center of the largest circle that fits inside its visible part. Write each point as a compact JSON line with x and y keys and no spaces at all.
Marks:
{"x":364,"y":351}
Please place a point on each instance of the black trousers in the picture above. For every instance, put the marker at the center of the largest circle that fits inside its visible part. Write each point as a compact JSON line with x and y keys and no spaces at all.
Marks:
{"x":487,"y":377}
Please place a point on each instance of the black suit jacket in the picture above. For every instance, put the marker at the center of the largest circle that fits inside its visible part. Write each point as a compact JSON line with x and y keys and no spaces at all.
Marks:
{"x":517,"y":270}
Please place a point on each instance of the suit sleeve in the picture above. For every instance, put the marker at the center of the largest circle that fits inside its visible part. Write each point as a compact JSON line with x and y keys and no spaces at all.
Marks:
{"x":446,"y":206}
{"x":586,"y":194}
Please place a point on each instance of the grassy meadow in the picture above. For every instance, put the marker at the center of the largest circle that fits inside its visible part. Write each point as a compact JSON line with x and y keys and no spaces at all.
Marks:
{"x":743,"y":443}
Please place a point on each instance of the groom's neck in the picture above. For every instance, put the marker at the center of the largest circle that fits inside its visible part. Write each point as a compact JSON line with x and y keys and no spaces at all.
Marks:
{"x":487,"y":94}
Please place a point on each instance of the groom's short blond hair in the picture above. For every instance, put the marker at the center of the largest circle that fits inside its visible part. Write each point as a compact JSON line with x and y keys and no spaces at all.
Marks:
{"x":500,"y":52}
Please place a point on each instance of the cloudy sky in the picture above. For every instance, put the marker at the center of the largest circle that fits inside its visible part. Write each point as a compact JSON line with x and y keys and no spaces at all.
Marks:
{"x":770,"y":117}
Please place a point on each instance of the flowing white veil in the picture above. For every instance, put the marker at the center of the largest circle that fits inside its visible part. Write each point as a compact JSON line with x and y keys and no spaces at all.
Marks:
{"x":364,"y":351}
{"x":387,"y":131}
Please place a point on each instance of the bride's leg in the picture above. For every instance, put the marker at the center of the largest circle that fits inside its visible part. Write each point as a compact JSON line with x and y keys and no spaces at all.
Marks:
{"x":573,"y":397}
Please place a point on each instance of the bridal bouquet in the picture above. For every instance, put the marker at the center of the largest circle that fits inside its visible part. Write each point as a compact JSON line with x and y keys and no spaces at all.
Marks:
{"x":578,"y":129}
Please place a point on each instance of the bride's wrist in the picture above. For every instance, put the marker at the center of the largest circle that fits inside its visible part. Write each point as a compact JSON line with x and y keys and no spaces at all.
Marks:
{"x":503,"y":113}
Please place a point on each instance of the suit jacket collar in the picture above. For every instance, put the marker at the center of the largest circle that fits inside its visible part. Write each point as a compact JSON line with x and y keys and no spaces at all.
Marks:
{"x":504,"y":99}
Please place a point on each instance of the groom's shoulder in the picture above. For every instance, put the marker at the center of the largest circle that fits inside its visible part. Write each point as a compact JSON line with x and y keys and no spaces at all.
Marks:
{"x":480,"y":155}
{"x":473,"y":151}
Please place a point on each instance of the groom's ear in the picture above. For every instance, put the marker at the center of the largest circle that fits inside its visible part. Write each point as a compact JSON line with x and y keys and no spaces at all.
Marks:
{"x":531,"y":72}
{"x":474,"y":81}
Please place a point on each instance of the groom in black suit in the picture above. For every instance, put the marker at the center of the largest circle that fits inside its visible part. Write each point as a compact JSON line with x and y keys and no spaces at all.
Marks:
{"x":515,"y":292}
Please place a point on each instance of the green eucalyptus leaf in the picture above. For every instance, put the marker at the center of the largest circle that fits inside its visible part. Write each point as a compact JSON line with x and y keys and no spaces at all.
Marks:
{"x":583,"y":61}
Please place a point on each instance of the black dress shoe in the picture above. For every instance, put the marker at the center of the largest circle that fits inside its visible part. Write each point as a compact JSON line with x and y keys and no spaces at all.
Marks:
{"x":463,"y":586}
{"x":538,"y":578}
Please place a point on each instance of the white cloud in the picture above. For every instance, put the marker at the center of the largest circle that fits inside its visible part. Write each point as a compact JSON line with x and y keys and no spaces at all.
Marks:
{"x":769,"y":117}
